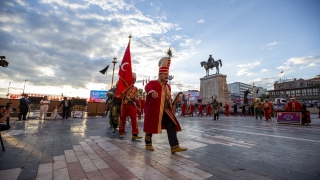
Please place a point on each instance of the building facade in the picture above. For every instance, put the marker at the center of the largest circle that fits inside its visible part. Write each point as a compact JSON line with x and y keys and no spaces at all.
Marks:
{"x":236,"y":91}
{"x":304,"y":90}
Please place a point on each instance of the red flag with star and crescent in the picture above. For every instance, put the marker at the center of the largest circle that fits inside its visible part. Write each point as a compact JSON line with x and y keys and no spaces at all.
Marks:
{"x":125,"y":72}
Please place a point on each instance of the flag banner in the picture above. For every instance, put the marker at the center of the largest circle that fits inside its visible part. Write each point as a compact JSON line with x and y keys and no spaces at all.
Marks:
{"x":125,"y":72}
{"x":281,"y":71}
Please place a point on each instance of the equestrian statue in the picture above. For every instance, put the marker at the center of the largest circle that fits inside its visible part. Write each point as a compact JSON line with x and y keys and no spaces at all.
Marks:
{"x":210,"y":64}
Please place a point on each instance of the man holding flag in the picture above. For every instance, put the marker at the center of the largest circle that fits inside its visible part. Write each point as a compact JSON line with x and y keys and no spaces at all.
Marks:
{"x":127,"y":92}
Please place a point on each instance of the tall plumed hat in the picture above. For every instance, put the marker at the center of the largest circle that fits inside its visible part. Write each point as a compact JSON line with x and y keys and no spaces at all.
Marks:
{"x":164,"y":63}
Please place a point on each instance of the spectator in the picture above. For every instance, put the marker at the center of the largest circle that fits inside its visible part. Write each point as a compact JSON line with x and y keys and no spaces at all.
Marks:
{"x":44,"y":106}
{"x":66,"y":105}
{"x":24,"y":106}
{"x":4,"y":114}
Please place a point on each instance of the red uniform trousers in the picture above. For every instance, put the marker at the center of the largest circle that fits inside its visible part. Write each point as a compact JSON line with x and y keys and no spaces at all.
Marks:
{"x":200,"y":112}
{"x":128,"y":110}
{"x":140,"y":113}
{"x":267,"y":114}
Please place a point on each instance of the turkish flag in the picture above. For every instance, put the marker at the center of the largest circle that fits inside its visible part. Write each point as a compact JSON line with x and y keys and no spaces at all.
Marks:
{"x":125,"y":72}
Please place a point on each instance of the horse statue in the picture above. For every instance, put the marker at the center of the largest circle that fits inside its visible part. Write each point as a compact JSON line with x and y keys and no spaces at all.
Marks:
{"x":210,"y":64}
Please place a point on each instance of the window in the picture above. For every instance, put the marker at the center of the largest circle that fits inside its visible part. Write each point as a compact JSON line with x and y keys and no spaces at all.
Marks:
{"x":293,"y":93}
{"x":315,"y":92}
{"x":298,"y":92}
{"x":303,"y":92}
{"x":289,"y":85}
{"x":301,"y":84}
{"x":309,"y":92}
{"x":288,"y":93}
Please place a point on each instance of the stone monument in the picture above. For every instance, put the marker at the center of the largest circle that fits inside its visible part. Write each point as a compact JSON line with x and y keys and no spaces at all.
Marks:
{"x":214,"y":84}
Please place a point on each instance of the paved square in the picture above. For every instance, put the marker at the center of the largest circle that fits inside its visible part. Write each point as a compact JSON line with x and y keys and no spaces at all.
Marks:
{"x":230,"y":148}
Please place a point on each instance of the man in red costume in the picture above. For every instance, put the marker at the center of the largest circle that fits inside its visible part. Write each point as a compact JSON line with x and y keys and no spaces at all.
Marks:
{"x":226,"y":106}
{"x":200,"y":109}
{"x":129,"y":109}
{"x":159,"y":111}
{"x":140,"y":104}
{"x":183,"y":109}
{"x":267,"y":107}
{"x":293,"y":105}
{"x":208,"y":109}
{"x":192,"y":108}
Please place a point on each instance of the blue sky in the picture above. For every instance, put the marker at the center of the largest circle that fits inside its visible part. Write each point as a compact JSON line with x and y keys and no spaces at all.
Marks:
{"x":60,"y":46}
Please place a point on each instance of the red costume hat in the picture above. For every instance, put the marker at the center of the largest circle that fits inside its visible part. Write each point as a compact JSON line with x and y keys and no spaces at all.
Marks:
{"x":164,"y":64}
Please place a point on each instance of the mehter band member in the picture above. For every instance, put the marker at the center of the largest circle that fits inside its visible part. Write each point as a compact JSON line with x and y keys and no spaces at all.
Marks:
{"x":159,"y":111}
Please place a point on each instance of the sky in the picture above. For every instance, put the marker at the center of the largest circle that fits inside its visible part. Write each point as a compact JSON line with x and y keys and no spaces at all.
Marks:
{"x":59,"y":46}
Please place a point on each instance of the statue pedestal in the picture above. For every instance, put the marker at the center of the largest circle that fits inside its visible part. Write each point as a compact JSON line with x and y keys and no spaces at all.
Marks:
{"x":214,"y":84}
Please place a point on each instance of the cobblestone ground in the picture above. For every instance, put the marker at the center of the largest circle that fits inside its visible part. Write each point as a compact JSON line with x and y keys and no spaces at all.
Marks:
{"x":230,"y":148}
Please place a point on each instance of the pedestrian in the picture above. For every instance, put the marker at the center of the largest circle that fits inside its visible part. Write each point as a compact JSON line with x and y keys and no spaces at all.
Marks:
{"x":192,"y":108}
{"x":128,"y":108}
{"x":66,"y":105}
{"x":4,"y":114}
{"x":183,"y":109}
{"x":257,"y":108}
{"x":226,"y":106}
{"x":140,"y":104}
{"x":215,"y":107}
{"x":54,"y":114}
{"x":304,"y":107}
{"x":243,"y":110}
{"x":267,"y":107}
{"x":159,"y":111}
{"x":200,"y":108}
{"x":208,"y":109}
{"x":23,"y":106}
{"x":235,"y":110}
{"x":44,"y":106}
{"x":293,"y":105}
{"x":318,"y":106}
{"x":251,"y":109}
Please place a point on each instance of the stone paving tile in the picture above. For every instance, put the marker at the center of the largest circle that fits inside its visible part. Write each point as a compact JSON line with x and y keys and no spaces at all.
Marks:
{"x":231,"y":148}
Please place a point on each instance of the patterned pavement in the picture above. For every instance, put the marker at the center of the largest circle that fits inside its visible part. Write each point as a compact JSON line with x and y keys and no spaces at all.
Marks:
{"x":230,"y":148}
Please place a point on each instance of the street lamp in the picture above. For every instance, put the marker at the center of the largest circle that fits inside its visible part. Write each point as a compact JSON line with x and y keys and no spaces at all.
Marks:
{"x":114,"y":64}
{"x":170,"y":78}
{"x":8,"y":90}
{"x":103,"y":71}
{"x":25,"y":81}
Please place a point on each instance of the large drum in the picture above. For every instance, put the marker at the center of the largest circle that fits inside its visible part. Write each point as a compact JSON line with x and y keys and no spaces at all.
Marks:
{"x":293,"y":117}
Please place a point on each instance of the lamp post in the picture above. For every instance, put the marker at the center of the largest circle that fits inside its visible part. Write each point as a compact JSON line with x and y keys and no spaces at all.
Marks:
{"x":8,"y":90}
{"x":170,"y":78}
{"x":114,"y":64}
{"x":25,"y":81}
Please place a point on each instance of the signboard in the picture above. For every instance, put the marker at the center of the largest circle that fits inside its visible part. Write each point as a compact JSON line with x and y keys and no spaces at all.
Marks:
{"x":289,"y":117}
{"x":98,"y":96}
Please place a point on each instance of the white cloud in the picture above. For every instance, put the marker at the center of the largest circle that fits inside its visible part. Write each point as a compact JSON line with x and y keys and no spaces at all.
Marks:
{"x":286,"y":67}
{"x":272,"y":44}
{"x":304,"y":60}
{"x":249,"y":65}
{"x":201,"y":21}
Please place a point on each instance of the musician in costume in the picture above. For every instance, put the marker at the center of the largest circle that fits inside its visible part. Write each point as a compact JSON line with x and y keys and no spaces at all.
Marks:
{"x":159,"y":110}
{"x":192,"y":108}
{"x":226,"y":106}
{"x":208,"y":109}
{"x":183,"y":109}
{"x":128,"y":108}
{"x":113,"y":107}
{"x":235,"y":110}
{"x":200,"y":108}
{"x":293,"y":105}
{"x":243,"y":110}
{"x":140,"y":104}
{"x":215,"y":107}
{"x":267,"y":107}
{"x":257,"y":106}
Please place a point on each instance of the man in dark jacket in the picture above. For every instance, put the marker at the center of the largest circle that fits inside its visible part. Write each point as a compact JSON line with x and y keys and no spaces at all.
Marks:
{"x":24,"y":106}
{"x":66,"y":105}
